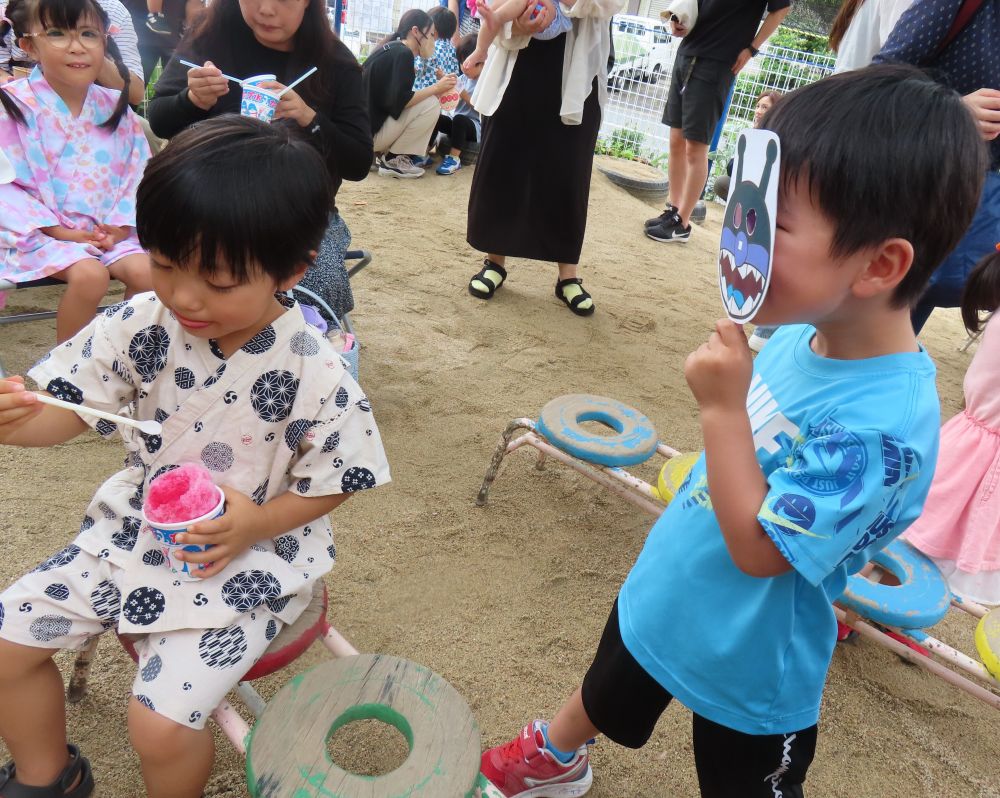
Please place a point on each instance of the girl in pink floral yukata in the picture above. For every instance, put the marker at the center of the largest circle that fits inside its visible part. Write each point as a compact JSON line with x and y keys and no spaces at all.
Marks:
{"x":78,"y":153}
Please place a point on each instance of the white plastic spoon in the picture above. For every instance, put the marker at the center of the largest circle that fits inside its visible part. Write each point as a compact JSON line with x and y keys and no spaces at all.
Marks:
{"x":146,"y":427}
{"x":199,"y":66}
{"x":297,"y":81}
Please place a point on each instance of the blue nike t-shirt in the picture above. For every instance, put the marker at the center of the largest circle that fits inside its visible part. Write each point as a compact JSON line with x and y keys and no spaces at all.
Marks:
{"x":848,"y":448}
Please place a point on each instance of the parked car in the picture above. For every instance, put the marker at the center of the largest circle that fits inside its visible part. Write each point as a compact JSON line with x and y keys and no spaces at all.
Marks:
{"x":643,"y":50}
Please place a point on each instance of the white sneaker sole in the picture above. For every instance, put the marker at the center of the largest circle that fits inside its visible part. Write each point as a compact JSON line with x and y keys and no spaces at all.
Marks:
{"x":572,"y":790}
{"x":401,"y":175}
{"x":678,"y":240}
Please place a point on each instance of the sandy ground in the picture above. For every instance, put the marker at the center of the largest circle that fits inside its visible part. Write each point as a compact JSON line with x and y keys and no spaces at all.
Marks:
{"x":507,"y":602}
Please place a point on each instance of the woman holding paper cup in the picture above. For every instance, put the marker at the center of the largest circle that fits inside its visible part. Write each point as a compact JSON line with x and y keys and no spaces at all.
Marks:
{"x":251,"y":40}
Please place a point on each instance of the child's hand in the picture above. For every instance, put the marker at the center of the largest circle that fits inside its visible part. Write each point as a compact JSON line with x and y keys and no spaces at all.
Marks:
{"x":291,"y":105}
{"x":232,"y":533}
{"x":719,"y":371}
{"x":985,"y":107}
{"x":17,"y":406}
{"x":61,"y":233}
{"x":445,"y":85}
{"x":108,"y":236}
{"x":206,"y":85}
{"x":530,"y":21}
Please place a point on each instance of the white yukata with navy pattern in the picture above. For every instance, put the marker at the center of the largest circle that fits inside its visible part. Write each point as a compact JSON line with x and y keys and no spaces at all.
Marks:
{"x":281,"y":414}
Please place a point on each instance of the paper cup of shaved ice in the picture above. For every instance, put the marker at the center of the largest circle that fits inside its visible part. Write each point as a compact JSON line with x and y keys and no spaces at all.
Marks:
{"x":177,"y":500}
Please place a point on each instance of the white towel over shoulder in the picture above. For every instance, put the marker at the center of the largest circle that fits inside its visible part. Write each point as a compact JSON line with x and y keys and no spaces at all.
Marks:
{"x":588,"y":44}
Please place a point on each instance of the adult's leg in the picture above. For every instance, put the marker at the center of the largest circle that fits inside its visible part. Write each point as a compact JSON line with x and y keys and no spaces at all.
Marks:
{"x":695,"y":175}
{"x":677,"y":166}
{"x":134,"y":272}
{"x":731,"y":763}
{"x":86,"y":284}
{"x":412,"y":130}
{"x":32,"y":712}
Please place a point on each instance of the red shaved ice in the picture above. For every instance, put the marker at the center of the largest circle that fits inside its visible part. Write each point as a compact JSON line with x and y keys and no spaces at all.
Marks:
{"x":180,"y":495}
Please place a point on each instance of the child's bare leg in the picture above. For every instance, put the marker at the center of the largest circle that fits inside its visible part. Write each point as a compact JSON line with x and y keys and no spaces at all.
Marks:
{"x":571,"y":727}
{"x":86,"y":284}
{"x":32,"y":713}
{"x":134,"y":271}
{"x":176,"y":761}
{"x":154,"y":6}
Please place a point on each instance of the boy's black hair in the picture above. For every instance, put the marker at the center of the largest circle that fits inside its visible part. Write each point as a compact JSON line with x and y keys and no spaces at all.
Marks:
{"x":65,"y":14}
{"x":466,"y":47}
{"x":237,"y":194}
{"x":444,"y":21}
{"x":886,"y":152}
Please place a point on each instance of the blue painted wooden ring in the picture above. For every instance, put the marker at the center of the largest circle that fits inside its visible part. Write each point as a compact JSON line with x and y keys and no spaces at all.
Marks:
{"x":561,"y":423}
{"x":919,"y":601}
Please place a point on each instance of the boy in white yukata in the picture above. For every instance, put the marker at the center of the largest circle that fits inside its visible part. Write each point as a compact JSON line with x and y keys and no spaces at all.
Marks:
{"x":232,"y":213}
{"x":817,"y":454}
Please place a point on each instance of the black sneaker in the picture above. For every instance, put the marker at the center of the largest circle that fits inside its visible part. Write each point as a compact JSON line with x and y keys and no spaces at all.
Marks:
{"x":662,"y":218}
{"x":158,"y":24}
{"x":670,"y":232}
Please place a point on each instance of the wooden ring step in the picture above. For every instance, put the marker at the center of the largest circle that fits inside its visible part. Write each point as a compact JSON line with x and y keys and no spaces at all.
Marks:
{"x":286,"y":751}
{"x":561,"y":424}
{"x":919,"y":601}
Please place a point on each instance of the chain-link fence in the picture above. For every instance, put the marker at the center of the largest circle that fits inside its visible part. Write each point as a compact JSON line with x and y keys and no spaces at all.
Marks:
{"x":638,"y":83}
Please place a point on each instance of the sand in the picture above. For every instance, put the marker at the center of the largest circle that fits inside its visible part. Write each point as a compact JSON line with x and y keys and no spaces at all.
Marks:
{"x":508,"y":601}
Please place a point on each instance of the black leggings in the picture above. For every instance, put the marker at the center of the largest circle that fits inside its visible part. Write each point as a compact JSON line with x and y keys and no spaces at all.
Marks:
{"x":460,"y":129}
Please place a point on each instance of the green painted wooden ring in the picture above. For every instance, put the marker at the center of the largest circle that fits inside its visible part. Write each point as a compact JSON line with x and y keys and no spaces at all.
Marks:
{"x":286,"y":750}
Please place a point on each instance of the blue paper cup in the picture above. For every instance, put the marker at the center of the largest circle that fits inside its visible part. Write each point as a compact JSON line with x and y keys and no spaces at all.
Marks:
{"x":166,"y":535}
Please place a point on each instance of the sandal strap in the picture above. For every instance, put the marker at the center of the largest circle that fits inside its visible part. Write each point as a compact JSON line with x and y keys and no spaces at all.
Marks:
{"x":583,"y":296}
{"x":78,"y":768}
{"x":490,"y":266}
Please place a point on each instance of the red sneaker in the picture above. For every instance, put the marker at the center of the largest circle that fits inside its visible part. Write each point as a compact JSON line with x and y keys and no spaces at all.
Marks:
{"x":525,"y":768}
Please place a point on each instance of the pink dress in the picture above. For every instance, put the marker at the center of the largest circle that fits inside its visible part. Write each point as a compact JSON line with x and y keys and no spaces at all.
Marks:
{"x":960,"y":525}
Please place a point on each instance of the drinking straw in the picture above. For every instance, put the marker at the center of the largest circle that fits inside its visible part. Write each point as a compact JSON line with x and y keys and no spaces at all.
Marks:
{"x":297,"y":81}
{"x":199,"y":66}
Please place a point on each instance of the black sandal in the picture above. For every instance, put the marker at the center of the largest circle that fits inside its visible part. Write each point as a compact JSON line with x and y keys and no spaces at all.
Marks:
{"x":78,"y":768}
{"x":491,"y":286}
{"x":574,"y":303}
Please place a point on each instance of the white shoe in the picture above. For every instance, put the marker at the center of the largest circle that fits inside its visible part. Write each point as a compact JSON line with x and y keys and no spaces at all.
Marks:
{"x":760,"y":337}
{"x":399,"y":166}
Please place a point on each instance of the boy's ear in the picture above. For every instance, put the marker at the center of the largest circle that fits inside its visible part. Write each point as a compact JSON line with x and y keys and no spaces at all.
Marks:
{"x":300,"y":270}
{"x":888,"y":264}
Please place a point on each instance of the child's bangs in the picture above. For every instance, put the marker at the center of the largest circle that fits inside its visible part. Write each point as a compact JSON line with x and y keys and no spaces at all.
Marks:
{"x":71,"y":14}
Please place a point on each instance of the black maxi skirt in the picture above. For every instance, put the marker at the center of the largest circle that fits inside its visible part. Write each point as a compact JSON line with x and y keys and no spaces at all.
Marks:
{"x":532,"y":180}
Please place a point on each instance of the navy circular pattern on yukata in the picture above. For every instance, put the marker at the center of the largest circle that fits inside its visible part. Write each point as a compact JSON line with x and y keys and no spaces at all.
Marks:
{"x":60,"y":558}
{"x":151,"y":669}
{"x":127,"y":536}
{"x":249,"y":589}
{"x":303,"y":345}
{"x":148,"y":351}
{"x":63,"y":389}
{"x":357,"y":478}
{"x":331,"y":443}
{"x":261,"y":342}
{"x":184,"y":378}
{"x":218,"y":456}
{"x":47,"y":628}
{"x":144,"y":606}
{"x":154,"y":558}
{"x":222,"y":648}
{"x":341,"y":398}
{"x":273,"y":394}
{"x":146,"y":701}
{"x":106,"y":600}
{"x":287,"y":547}
{"x":269,"y":633}
{"x":295,"y":430}
{"x":57,"y":591}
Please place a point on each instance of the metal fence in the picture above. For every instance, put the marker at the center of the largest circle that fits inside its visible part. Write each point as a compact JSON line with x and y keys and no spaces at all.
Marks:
{"x":632,"y":126}
{"x":638,"y":84}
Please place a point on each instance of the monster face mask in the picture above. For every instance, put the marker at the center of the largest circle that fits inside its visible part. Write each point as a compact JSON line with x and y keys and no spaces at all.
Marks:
{"x":748,"y":229}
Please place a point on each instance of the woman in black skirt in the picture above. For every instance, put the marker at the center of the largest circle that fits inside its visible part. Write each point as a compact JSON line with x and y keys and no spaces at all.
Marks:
{"x":532,"y":180}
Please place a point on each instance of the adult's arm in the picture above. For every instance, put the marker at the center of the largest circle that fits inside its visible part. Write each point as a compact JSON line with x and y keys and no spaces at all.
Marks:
{"x":128,"y":45}
{"x":344,"y":131}
{"x":171,"y":110}
{"x":918,"y":34}
{"x":771,"y":22}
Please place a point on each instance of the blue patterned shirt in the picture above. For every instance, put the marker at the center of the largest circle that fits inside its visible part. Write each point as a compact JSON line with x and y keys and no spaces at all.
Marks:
{"x":444,"y":58}
{"x":969,"y":63}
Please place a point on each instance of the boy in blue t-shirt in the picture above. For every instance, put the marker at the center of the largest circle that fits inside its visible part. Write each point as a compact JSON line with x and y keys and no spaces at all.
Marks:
{"x":816,"y":455}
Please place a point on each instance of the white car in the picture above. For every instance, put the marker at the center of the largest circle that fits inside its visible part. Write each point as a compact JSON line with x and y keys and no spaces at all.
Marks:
{"x":643,"y":49}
